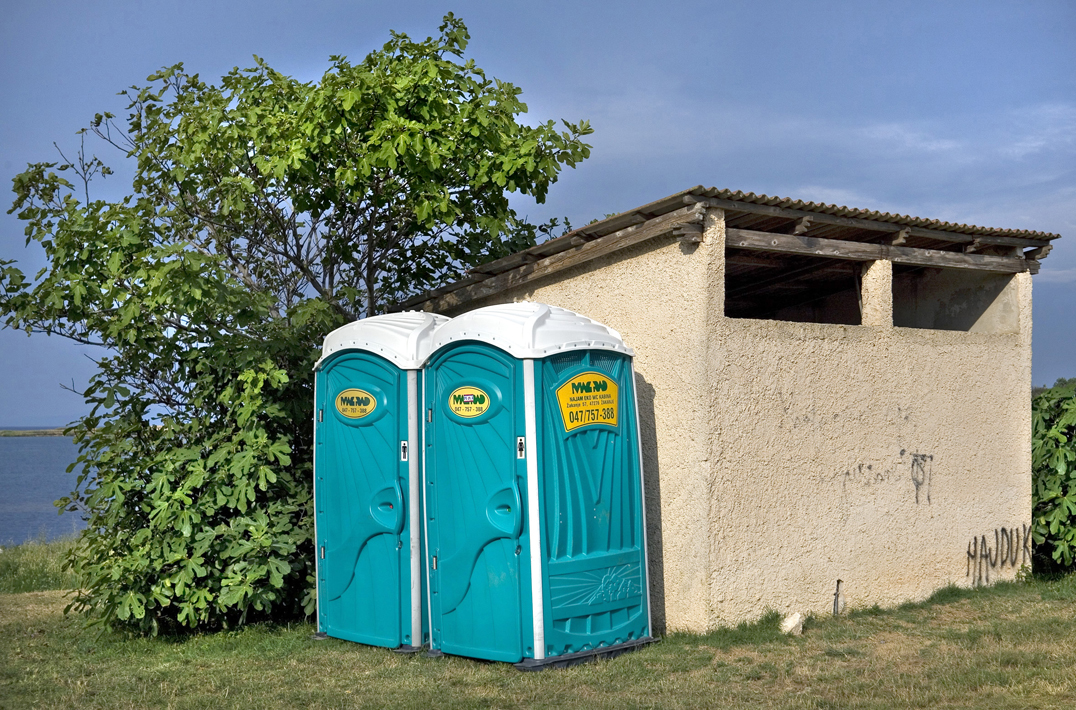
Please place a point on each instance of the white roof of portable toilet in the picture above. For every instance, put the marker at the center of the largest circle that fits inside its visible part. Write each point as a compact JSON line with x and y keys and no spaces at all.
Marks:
{"x":401,"y":338}
{"x":529,"y":330}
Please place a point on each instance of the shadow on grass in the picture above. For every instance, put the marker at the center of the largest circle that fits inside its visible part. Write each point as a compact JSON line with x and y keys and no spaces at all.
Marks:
{"x":1059,"y":587}
{"x":951,"y":595}
{"x":766,"y":629}
{"x":176,"y":636}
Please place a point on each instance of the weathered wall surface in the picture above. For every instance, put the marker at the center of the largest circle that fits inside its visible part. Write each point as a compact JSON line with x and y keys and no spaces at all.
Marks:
{"x":783,"y":456}
{"x":894,"y":459}
{"x":874,"y":456}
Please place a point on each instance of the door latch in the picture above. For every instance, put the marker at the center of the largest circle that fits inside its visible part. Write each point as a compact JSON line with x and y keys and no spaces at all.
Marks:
{"x":323,"y":552}
{"x":321,"y":415}
{"x":521,"y":447}
{"x":429,"y":415}
{"x":435,"y":561}
{"x":403,"y":450}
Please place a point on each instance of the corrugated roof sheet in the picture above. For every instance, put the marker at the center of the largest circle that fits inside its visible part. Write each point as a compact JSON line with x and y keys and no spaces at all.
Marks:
{"x":873,"y":215}
{"x":679,"y":200}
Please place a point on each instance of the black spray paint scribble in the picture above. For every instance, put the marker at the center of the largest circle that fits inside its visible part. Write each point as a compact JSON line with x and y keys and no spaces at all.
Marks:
{"x":863,"y":474}
{"x":922,"y":465}
{"x":1012,"y":547}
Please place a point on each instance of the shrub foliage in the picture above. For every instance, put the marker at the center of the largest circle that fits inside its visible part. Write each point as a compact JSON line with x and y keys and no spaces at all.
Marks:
{"x":263,"y":213}
{"x":1053,"y":455}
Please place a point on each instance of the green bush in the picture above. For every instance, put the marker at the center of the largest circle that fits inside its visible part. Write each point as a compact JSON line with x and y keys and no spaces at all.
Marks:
{"x":1053,"y":456}
{"x":204,"y":522}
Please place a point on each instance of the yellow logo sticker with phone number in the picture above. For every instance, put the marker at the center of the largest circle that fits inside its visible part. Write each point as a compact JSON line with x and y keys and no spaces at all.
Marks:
{"x":355,"y":403}
{"x":468,"y":402}
{"x":587,"y":399}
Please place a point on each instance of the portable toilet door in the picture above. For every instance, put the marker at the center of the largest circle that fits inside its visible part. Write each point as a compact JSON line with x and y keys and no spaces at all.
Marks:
{"x":367,"y":480}
{"x":536,"y":541}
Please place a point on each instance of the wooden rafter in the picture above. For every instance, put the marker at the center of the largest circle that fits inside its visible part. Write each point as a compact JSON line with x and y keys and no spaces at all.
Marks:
{"x":862,"y":251}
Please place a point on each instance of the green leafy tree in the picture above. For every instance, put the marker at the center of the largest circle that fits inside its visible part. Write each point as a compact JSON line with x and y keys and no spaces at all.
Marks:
{"x":1061,"y":382}
{"x":1053,"y":457}
{"x":263,"y":212}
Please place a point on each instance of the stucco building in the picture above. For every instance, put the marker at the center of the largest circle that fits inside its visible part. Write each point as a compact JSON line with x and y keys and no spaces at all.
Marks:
{"x":826,"y":394}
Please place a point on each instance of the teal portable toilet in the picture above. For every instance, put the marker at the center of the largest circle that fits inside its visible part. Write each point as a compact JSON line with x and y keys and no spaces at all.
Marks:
{"x":367,"y":480}
{"x":535,"y":525}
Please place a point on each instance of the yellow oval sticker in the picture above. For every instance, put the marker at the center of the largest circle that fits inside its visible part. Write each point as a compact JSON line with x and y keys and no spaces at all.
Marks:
{"x":588,"y":398}
{"x":468,"y":402}
{"x":355,"y":403}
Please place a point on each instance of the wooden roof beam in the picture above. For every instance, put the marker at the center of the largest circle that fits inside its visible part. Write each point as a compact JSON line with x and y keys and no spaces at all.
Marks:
{"x":689,"y":233}
{"x":1039,"y":253}
{"x":615,"y":224}
{"x":864,"y":251}
{"x":802,"y":225}
{"x":781,"y":279}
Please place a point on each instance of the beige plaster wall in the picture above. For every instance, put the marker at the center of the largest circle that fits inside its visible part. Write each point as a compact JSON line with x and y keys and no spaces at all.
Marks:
{"x":870,"y":456}
{"x":783,"y":456}
{"x":876,"y":294}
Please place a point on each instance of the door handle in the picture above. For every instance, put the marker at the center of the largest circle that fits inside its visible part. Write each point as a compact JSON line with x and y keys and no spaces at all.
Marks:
{"x":387,"y":508}
{"x":505,"y":511}
{"x":519,"y":509}
{"x":400,"y":518}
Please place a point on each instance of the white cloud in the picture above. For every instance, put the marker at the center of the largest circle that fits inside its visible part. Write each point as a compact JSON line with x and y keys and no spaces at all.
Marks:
{"x":1041,"y":128}
{"x":1011,"y":168}
{"x":1057,"y":276}
{"x":906,"y":137}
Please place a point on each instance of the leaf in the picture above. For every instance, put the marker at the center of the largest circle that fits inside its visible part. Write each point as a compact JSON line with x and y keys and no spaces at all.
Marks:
{"x":1053,"y":489}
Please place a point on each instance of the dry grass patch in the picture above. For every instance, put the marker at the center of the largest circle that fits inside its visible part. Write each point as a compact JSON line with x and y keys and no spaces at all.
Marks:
{"x":20,"y":610}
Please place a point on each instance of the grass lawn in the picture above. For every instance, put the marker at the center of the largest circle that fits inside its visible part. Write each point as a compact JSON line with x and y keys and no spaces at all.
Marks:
{"x":1008,"y":646}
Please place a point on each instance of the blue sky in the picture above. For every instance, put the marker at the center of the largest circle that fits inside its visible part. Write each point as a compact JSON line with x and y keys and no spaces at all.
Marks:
{"x":962,"y":111}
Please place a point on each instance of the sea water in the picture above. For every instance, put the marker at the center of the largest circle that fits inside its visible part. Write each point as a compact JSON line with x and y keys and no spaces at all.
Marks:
{"x":33,"y":473}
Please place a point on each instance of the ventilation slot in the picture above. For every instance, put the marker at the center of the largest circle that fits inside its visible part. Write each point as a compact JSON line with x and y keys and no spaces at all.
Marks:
{"x":566,"y":361}
{"x":605,"y":361}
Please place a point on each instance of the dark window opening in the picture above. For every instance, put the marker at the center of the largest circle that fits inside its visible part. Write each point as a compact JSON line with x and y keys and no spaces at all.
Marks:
{"x":791,"y":287}
{"x":954,"y":299}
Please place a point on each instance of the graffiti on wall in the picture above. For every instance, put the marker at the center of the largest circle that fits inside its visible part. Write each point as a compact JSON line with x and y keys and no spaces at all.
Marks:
{"x":864,"y":475}
{"x":921,"y":466}
{"x":1011,"y":547}
{"x":916,"y":466}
